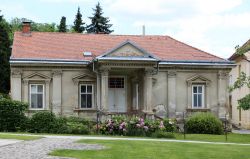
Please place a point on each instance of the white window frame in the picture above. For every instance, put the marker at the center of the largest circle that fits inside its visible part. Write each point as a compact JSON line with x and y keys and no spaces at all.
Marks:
{"x":92,"y":93}
{"x":203,"y":96}
{"x":37,"y":93}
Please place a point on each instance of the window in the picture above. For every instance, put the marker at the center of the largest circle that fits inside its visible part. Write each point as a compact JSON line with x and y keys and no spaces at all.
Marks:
{"x":37,"y":96}
{"x":86,"y":96}
{"x":198,"y":96}
{"x":116,"y":82}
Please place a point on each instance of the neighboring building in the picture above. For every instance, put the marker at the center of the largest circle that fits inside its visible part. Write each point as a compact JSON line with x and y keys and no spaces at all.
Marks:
{"x":78,"y":74}
{"x":240,"y":118}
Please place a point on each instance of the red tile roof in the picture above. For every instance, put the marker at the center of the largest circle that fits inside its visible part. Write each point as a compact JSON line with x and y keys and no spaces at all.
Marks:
{"x":45,"y":45}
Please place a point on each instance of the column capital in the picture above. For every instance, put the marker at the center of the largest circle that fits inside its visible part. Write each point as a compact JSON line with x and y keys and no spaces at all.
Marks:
{"x":16,"y":73}
{"x":172,"y":74}
{"x":104,"y":71}
{"x":149,"y":71}
{"x":25,"y":82}
{"x":56,"y":72}
{"x":223,"y":75}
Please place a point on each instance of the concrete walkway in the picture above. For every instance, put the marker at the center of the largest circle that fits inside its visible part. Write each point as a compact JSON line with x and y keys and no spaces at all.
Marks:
{"x":131,"y":139}
{"x":241,"y":131}
{"x":4,"y":142}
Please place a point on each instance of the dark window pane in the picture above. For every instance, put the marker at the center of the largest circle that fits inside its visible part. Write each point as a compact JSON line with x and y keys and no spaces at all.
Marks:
{"x":200,"y":89}
{"x":116,"y":82}
{"x":195,"y":89}
{"x":39,"y":101}
{"x":83,"y":89}
{"x":33,"y":101}
{"x":199,"y":100}
{"x":83,"y":101}
{"x":89,"y":100}
{"x":195,"y":100}
{"x":89,"y":89}
{"x":40,"y":88}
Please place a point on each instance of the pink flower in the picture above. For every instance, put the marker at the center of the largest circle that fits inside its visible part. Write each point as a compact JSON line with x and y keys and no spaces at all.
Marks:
{"x":146,"y":128}
{"x":161,"y":125}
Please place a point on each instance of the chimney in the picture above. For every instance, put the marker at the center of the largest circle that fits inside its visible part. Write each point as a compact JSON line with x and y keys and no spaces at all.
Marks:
{"x":143,"y":30}
{"x":26,"y":30}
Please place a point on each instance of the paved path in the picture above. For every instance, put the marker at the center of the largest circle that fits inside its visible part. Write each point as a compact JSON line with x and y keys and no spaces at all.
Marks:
{"x":4,"y":142}
{"x":241,"y":131}
{"x":133,"y":139}
{"x":38,"y":149}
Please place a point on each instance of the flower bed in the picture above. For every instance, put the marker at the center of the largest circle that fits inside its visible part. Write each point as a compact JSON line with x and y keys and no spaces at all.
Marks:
{"x":136,"y":126}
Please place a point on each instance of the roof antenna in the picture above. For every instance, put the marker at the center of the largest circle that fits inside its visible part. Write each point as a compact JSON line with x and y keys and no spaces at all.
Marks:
{"x":143,"y":30}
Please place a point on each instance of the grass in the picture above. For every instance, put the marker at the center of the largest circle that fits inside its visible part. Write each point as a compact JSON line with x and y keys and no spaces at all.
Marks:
{"x":156,"y":150}
{"x":18,"y":137}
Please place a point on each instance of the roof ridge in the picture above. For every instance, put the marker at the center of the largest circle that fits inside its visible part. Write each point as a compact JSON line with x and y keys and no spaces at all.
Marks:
{"x":196,"y":48}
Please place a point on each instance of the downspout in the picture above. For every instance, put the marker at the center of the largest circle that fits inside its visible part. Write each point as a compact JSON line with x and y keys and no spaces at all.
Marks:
{"x":157,"y":68}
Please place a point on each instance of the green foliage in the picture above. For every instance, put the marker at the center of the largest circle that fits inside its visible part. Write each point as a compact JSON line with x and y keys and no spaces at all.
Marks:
{"x":244,"y":102}
{"x":11,"y":114}
{"x":43,"y":122}
{"x":204,"y":123}
{"x":78,"y":23}
{"x":5,"y":53}
{"x":170,"y":125}
{"x":163,"y":134}
{"x":62,"y":27}
{"x":243,"y":49}
{"x":99,"y":23}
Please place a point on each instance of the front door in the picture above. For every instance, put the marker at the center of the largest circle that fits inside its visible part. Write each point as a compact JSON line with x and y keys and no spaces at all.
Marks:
{"x":117,"y":94}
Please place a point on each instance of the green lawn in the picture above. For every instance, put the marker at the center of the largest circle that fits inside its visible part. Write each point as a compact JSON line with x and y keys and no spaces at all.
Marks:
{"x":157,"y":150}
{"x":18,"y":137}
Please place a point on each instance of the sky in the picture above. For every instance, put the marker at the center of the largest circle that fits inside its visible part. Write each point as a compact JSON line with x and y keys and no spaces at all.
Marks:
{"x":214,"y":26}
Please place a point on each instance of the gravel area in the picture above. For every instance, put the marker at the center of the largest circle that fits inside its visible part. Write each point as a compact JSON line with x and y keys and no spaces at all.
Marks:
{"x":39,"y":149}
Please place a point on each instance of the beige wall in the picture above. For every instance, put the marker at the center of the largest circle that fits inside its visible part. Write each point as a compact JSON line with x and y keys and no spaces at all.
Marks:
{"x":244,"y":120}
{"x":63,"y":97}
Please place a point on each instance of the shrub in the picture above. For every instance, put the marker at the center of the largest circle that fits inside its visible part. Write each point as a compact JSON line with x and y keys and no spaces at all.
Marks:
{"x":11,"y":114}
{"x":204,"y":123}
{"x":77,"y":128}
{"x":43,"y":122}
{"x":163,"y":134}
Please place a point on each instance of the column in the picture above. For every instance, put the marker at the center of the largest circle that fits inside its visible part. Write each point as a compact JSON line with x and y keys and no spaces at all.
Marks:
{"x":222,"y":93}
{"x":148,"y":91}
{"x":57,"y":92}
{"x":47,"y":102}
{"x":26,"y":91}
{"x":171,"y":94}
{"x":16,"y":85}
{"x":104,"y":90}
{"x":98,"y":92}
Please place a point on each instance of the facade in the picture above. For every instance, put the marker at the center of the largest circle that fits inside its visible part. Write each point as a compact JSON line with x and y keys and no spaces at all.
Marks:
{"x":240,"y":118}
{"x":80,"y":74}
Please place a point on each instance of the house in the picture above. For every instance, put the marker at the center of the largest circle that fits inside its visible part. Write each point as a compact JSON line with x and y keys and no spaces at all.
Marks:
{"x":80,"y":74}
{"x":240,"y":118}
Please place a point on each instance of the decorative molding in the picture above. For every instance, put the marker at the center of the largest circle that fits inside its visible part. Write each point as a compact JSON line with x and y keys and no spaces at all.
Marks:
{"x":25,"y":82}
{"x":83,"y":78}
{"x":132,"y":65}
{"x":42,"y":76}
{"x":104,"y":71}
{"x":198,"y":79}
{"x":149,"y":71}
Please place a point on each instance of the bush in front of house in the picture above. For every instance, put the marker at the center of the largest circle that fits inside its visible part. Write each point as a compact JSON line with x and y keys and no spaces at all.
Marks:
{"x":48,"y":122}
{"x":11,"y":114}
{"x":204,"y":123}
{"x":163,"y":134}
{"x":135,"y":126}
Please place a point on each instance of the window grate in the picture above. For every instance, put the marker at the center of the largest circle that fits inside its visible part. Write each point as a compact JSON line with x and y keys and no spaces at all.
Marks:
{"x":116,"y":82}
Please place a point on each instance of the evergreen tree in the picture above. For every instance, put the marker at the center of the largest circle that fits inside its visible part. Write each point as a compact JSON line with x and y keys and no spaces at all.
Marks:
{"x":78,"y":23}
{"x":99,"y":24}
{"x":5,"y":52}
{"x":62,"y":26}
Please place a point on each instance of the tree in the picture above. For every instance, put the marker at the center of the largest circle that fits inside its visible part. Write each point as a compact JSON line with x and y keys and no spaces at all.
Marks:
{"x":5,"y":52}
{"x":78,"y":23}
{"x":99,"y":23}
{"x":62,"y":27}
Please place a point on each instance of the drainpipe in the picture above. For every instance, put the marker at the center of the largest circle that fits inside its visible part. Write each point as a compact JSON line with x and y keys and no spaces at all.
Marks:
{"x":157,"y":66}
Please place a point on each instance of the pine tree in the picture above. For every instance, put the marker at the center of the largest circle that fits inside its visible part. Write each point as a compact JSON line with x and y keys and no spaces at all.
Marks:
{"x":99,"y":24}
{"x":62,"y":26}
{"x":78,"y":23}
{"x":5,"y":52}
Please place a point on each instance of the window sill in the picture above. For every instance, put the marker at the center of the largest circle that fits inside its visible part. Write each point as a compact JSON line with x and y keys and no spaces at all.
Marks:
{"x":198,"y":110}
{"x":84,"y":109}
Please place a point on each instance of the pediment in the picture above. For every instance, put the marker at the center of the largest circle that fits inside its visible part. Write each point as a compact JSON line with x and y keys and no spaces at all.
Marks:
{"x":127,"y":49}
{"x":84,"y":78}
{"x":37,"y":76}
{"x":198,"y":79}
